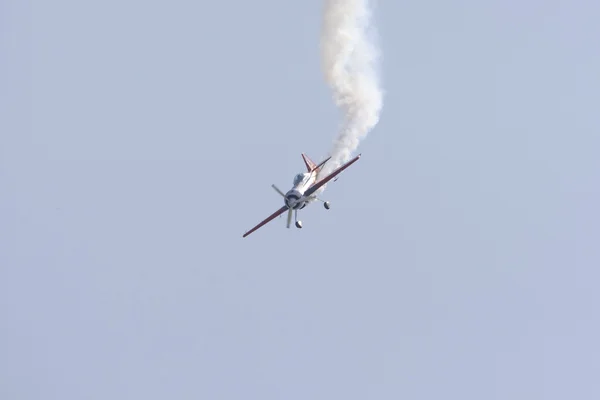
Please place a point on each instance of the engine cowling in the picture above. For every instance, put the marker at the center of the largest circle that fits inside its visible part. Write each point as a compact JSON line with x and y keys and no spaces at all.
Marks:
{"x":292,"y":199}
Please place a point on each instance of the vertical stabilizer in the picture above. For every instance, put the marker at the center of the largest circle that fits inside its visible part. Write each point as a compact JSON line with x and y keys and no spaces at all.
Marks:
{"x":310,"y":165}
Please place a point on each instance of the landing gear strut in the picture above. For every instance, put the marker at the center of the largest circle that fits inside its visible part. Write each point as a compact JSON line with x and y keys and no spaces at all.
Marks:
{"x":326,"y":204}
{"x":298,"y":223}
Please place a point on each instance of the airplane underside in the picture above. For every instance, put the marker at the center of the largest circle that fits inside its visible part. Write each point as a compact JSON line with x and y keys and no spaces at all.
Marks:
{"x":294,"y":201}
{"x":303,"y":192}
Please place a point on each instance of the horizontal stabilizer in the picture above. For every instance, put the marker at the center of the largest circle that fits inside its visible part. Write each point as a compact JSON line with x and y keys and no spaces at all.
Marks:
{"x":310,"y":164}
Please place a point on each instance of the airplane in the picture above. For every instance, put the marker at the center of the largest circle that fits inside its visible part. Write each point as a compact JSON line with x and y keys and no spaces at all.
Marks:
{"x":303,"y":191}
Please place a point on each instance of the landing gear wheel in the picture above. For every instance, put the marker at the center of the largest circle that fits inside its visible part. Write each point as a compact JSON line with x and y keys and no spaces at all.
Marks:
{"x":326,"y":205}
{"x":299,"y":224}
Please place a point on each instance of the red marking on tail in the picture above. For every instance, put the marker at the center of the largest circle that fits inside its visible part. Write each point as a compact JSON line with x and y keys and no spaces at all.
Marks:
{"x":310,"y":165}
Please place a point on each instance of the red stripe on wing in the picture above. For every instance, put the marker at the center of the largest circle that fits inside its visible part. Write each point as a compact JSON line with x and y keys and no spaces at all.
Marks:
{"x":323,"y":181}
{"x":268,"y":219}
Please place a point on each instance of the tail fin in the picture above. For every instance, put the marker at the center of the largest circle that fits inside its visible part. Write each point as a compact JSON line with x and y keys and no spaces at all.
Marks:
{"x":310,"y":165}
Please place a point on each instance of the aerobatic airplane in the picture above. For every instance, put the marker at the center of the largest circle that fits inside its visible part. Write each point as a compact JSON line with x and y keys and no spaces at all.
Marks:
{"x":303,"y":191}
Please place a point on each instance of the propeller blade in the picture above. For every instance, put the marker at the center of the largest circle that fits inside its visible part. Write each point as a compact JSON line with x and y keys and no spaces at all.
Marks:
{"x":289,"y":219}
{"x":278,"y":191}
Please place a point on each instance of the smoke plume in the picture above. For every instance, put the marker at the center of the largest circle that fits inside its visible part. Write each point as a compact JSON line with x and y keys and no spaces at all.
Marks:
{"x":349,"y":58}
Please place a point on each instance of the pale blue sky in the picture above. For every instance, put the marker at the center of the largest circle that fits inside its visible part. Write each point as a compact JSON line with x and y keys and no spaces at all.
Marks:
{"x":139,"y":140}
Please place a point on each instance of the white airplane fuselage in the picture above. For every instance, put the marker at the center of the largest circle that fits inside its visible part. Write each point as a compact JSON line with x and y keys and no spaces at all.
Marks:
{"x":295,"y":198}
{"x":304,"y":191}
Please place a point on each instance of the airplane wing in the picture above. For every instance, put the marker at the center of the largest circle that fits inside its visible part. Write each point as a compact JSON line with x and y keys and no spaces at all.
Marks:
{"x":332,"y":175}
{"x":268,"y":219}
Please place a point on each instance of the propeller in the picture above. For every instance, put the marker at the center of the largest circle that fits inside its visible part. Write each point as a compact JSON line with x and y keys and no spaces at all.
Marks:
{"x":278,"y":191}
{"x":289,"y":216}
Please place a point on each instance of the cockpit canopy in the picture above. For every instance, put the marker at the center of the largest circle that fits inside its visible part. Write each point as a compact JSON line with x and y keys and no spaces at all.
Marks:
{"x":299,"y":178}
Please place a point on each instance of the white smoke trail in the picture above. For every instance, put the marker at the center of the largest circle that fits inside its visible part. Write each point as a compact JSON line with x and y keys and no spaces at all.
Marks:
{"x":349,"y":59}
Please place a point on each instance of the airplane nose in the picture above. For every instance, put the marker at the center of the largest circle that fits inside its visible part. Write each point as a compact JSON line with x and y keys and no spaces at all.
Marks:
{"x":292,"y":198}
